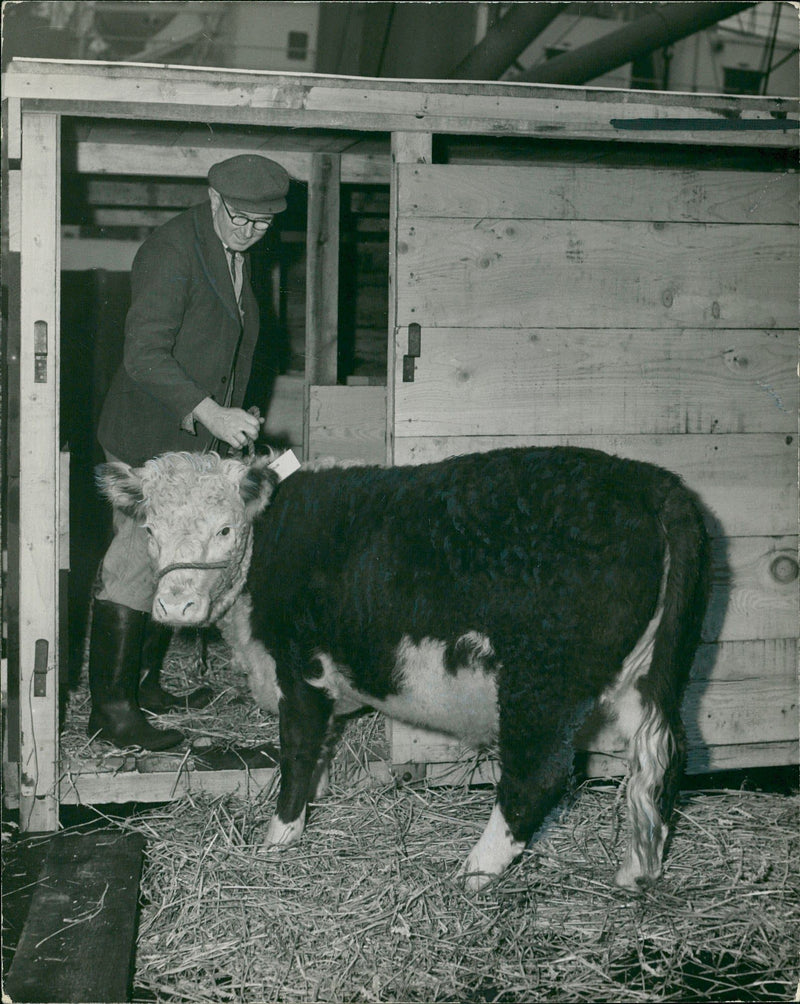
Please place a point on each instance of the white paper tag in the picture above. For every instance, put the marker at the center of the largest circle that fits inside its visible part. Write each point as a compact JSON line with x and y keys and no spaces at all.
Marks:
{"x":284,"y":465}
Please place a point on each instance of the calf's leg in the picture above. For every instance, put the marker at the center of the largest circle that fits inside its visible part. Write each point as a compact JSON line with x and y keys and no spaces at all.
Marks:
{"x":536,"y":756}
{"x":305,"y":717}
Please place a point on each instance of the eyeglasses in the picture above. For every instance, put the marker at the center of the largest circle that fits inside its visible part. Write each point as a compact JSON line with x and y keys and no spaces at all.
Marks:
{"x":238,"y":220}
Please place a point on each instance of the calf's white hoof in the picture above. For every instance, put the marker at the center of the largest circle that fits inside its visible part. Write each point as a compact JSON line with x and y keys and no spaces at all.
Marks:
{"x":492,"y":854}
{"x":280,"y":834}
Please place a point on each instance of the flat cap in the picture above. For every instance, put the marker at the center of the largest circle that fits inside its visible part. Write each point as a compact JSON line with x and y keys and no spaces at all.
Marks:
{"x":251,"y":183}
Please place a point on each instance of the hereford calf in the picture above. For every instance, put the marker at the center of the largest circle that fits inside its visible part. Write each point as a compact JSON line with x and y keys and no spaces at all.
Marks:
{"x":497,"y":597}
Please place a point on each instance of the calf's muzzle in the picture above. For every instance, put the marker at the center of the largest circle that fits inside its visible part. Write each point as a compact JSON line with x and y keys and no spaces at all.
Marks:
{"x":180,"y":605}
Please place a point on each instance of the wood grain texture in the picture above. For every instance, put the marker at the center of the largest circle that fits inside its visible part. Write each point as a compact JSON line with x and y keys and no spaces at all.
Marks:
{"x":322,"y":270}
{"x":513,"y":381}
{"x":193,"y":161}
{"x":755,"y":593}
{"x":584,"y":192}
{"x":39,"y":489}
{"x":79,"y":938}
{"x":348,"y":423}
{"x":316,"y":101}
{"x":489,"y":273}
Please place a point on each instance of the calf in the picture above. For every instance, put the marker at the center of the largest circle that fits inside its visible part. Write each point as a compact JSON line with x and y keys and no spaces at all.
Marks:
{"x":497,"y":597}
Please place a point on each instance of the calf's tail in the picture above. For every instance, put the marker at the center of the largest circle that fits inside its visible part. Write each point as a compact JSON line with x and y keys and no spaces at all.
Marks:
{"x":657,"y":748}
{"x":678,"y":633}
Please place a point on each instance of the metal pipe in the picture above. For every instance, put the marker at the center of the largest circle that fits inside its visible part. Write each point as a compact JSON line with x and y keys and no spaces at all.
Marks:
{"x":506,"y":40}
{"x":667,"y":24}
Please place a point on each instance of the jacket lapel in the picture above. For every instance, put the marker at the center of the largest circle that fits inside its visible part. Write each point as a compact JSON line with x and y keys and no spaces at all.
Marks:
{"x":214,"y":261}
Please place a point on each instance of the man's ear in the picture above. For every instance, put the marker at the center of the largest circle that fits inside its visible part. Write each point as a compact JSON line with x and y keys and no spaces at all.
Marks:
{"x":121,"y":484}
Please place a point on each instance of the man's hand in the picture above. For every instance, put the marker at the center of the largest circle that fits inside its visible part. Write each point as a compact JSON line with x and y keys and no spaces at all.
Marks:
{"x":233,"y":426}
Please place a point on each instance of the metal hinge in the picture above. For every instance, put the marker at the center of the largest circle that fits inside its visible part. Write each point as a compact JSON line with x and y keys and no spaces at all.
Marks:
{"x":414,"y":350}
{"x":40,"y":651}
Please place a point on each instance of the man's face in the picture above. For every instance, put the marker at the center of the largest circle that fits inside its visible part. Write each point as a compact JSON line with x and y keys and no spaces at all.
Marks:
{"x":237,"y":236}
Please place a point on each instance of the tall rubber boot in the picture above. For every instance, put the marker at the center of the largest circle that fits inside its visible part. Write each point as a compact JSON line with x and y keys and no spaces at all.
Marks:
{"x":152,"y":696}
{"x":115,"y":650}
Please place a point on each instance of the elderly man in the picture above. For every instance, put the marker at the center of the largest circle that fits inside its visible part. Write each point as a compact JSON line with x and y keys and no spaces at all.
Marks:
{"x":190,"y":335}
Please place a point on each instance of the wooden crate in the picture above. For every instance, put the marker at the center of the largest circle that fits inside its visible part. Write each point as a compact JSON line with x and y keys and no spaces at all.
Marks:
{"x":647,"y":312}
{"x":641,"y":309}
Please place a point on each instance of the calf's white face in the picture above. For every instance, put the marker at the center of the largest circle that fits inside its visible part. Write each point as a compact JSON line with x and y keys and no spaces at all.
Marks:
{"x":197,"y":510}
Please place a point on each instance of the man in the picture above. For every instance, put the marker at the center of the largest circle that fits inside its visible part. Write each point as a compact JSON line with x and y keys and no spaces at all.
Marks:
{"x":190,"y":335}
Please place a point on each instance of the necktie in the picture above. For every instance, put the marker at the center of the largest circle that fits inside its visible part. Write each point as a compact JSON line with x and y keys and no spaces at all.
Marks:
{"x":235,"y":265}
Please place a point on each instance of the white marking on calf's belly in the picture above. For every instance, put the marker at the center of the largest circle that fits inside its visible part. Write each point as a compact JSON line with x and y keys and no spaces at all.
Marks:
{"x":461,"y":703}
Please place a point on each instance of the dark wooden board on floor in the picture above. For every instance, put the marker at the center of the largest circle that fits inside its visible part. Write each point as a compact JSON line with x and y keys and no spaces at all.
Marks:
{"x":78,"y":941}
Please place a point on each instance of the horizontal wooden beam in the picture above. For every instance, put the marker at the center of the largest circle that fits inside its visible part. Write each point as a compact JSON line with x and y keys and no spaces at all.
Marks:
{"x":513,"y":381}
{"x":85,"y":254}
{"x":586,"y":192}
{"x":240,"y":97}
{"x":700,"y":760}
{"x":595,"y":273}
{"x":164,"y":160}
{"x":82,"y":786}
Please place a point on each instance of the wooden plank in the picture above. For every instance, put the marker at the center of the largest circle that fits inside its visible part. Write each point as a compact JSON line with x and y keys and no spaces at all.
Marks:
{"x":316,"y":101}
{"x":79,"y":938}
{"x":173,"y":195}
{"x":488,"y":273}
{"x":584,"y":192}
{"x":14,"y":210}
{"x":755,"y":591}
{"x":747,"y":482}
{"x":194,"y":161}
{"x":63,"y":511}
{"x":13,"y":137}
{"x":322,"y":270}
{"x":741,"y":694}
{"x":407,"y":148}
{"x":708,"y":759}
{"x":82,"y":254}
{"x":703,"y":760}
{"x":80,"y":786}
{"x":513,"y":381}
{"x":348,"y":423}
{"x":284,"y":418}
{"x":124,"y":217}
{"x":39,"y":558}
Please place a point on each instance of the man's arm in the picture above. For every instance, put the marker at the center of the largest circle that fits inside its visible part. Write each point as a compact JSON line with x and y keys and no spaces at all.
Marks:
{"x":160,"y":281}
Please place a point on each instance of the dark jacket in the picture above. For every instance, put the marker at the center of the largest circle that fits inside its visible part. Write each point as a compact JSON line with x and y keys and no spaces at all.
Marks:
{"x":181,"y":336}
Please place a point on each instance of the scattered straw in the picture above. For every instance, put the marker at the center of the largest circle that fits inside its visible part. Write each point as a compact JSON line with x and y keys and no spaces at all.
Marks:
{"x":368,"y":906}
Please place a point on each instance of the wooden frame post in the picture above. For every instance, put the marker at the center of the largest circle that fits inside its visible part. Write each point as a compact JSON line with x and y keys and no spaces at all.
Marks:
{"x":39,"y":486}
{"x":322,"y":277}
{"x":407,"y":148}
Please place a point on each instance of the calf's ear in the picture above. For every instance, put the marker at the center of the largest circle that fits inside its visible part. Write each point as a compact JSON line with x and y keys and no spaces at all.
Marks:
{"x":121,"y":485}
{"x":256,"y":486}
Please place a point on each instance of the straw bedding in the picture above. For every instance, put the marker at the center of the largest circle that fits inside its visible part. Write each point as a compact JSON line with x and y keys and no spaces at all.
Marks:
{"x":368,"y":906}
